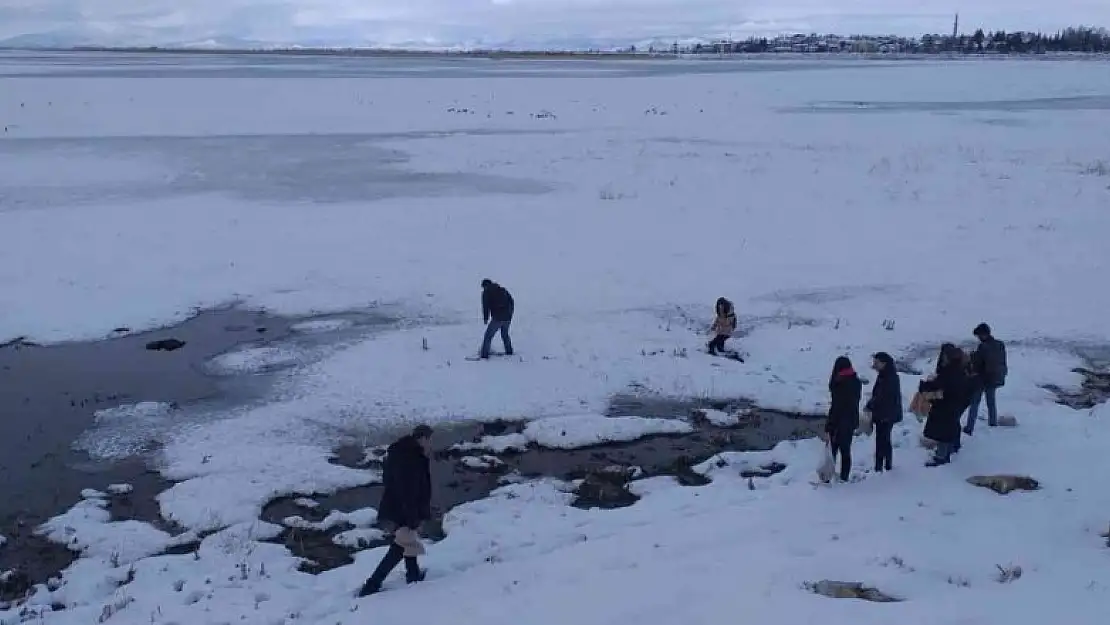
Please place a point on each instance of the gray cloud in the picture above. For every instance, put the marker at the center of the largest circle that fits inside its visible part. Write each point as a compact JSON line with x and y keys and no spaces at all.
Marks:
{"x":447,"y":22}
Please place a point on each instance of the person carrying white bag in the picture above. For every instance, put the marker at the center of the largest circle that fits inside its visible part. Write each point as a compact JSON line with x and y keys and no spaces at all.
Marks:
{"x":845,"y":390}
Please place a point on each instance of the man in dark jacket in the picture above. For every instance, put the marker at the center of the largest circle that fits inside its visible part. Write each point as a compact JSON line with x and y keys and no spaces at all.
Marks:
{"x":988,"y":374}
{"x":885,"y":407}
{"x":406,"y":503}
{"x":497,"y":312}
{"x":845,"y":390}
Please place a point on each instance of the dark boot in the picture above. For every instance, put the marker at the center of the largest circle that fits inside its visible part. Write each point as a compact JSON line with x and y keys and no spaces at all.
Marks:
{"x":846,"y":463}
{"x":413,"y":573}
{"x":716,"y":345}
{"x":389,"y":562}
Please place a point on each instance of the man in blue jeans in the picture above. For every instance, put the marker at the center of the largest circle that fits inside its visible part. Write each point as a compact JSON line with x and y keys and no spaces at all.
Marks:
{"x":988,"y":374}
{"x":497,"y":312}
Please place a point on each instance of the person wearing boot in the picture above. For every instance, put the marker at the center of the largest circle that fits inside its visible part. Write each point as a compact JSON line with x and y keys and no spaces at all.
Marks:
{"x":497,"y":312}
{"x":845,"y":391}
{"x":406,"y":503}
{"x":949,"y":386}
{"x":885,"y":407}
{"x":988,"y":371}
{"x":724,"y":324}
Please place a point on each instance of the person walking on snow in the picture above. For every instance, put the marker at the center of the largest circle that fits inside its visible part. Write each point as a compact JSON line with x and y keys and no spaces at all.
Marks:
{"x":497,"y":313}
{"x":724,"y":324}
{"x":885,"y":407}
{"x":406,"y":503}
{"x":846,"y":390}
{"x":988,"y":374}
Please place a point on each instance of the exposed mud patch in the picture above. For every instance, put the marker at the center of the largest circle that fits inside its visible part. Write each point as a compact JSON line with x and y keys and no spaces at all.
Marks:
{"x":604,"y":470}
{"x":606,"y":489}
{"x":766,"y":470}
{"x":1094,"y":390}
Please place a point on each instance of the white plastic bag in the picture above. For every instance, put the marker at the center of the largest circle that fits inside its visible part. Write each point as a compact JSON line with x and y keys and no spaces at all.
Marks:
{"x":827,"y":467}
{"x":866,"y":425}
{"x":409,"y":540}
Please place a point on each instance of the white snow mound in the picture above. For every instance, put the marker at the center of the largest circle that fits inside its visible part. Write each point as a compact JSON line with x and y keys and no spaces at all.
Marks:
{"x":577,"y":431}
{"x":253,"y":360}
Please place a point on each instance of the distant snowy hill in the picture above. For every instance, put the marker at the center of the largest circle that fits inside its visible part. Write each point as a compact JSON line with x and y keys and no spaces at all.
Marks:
{"x":76,"y":39}
{"x":86,"y":37}
{"x":44,"y":40}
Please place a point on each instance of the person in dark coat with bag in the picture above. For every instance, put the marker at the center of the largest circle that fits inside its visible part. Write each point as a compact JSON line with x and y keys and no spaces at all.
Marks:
{"x":949,"y":392}
{"x":885,"y":407}
{"x":846,"y":391}
{"x":406,"y":503}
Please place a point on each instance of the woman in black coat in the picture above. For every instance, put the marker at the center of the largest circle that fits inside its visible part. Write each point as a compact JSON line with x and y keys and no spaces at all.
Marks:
{"x":845,"y":389}
{"x":885,"y":407}
{"x":951,"y":385}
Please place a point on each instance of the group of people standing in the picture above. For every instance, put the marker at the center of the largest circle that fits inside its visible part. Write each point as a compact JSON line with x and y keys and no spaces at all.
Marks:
{"x":960,"y":383}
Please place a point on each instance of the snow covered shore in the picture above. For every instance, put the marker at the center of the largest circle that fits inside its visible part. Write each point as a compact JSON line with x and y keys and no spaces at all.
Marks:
{"x":616,"y":221}
{"x":924,"y":536}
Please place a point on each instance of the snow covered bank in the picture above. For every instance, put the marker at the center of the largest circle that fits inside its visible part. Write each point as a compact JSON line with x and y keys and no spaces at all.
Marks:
{"x":358,"y":518}
{"x":577,"y":431}
{"x":87,"y":528}
{"x":923,"y":535}
{"x":570,"y":366}
{"x":290,"y":441}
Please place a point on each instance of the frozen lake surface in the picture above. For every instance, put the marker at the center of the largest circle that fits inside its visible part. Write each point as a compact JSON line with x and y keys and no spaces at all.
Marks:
{"x":846,"y":207}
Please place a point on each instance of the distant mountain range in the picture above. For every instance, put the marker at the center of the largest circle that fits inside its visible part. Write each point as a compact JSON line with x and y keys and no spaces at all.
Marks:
{"x":64,"y":39}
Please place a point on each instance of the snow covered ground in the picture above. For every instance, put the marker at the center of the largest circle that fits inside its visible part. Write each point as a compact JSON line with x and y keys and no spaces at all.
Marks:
{"x":617,"y":210}
{"x":698,"y":555}
{"x":576,"y":432}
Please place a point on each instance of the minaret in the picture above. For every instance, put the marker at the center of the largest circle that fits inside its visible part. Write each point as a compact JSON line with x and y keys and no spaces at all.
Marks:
{"x":956,"y":26}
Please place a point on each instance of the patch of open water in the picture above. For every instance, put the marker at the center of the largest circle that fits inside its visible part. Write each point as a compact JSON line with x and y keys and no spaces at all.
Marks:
{"x":49,"y":395}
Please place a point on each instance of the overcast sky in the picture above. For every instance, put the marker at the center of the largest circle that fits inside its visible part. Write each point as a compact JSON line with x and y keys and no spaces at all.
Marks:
{"x":447,"y":22}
